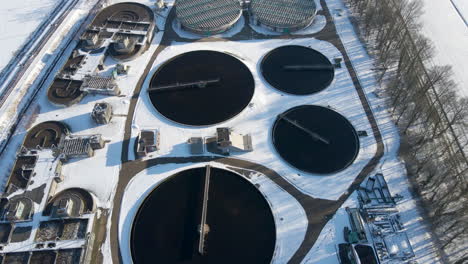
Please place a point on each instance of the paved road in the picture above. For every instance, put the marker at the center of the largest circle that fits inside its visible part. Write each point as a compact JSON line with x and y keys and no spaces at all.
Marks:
{"x":318,"y":211}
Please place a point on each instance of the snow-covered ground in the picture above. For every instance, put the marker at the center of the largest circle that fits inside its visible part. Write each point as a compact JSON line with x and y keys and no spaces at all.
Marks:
{"x":268,"y":102}
{"x":258,"y":119}
{"x":391,"y":166}
{"x":100,"y":173}
{"x":448,"y":30}
{"x":27,"y":85}
{"x":18,"y":19}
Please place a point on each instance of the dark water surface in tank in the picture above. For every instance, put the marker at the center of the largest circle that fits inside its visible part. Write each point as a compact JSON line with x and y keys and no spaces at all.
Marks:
{"x":298,"y":82}
{"x":307,"y":153}
{"x":242,"y":228}
{"x":209,"y":105}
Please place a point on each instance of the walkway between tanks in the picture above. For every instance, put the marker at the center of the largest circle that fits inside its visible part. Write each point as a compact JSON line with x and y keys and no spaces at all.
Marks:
{"x":318,"y":211}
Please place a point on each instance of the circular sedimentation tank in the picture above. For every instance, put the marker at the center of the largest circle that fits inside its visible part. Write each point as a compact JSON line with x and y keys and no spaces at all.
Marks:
{"x":315,"y":139}
{"x":201,"y":88}
{"x":123,"y":18}
{"x":239,"y":224}
{"x":283,"y":16}
{"x":297,"y":70}
{"x":65,"y":91}
{"x":45,"y":135}
{"x":123,"y":12}
{"x":207,"y":17}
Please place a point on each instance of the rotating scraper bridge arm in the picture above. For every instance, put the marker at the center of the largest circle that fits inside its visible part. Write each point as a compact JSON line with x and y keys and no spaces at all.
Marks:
{"x":314,"y":135}
{"x":187,"y":85}
{"x":203,"y":225}
{"x":307,"y":67}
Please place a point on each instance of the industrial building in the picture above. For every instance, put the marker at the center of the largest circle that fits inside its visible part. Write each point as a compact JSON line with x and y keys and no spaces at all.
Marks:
{"x":96,"y":84}
{"x":196,"y":145}
{"x":283,"y":16}
{"x":148,"y":141}
{"x":207,"y":17}
{"x":357,"y":224}
{"x":102,"y":113}
{"x":79,"y":146}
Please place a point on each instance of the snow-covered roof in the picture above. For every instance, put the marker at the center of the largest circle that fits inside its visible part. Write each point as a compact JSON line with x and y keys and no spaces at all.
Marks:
{"x":284,"y":13}
{"x":208,"y":15}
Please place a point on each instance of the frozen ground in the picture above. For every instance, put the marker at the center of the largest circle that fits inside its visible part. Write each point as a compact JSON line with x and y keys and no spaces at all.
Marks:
{"x":18,"y":19}
{"x":448,"y":29}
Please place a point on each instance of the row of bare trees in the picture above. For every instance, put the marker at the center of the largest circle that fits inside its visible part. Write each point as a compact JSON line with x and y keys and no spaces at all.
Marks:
{"x":431,"y":117}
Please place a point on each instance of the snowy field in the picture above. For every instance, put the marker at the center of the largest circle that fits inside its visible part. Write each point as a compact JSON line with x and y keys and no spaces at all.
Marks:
{"x":448,"y":30}
{"x":18,"y":19}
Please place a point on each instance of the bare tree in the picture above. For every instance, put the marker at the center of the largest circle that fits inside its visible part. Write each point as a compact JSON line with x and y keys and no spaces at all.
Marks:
{"x":425,"y":107}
